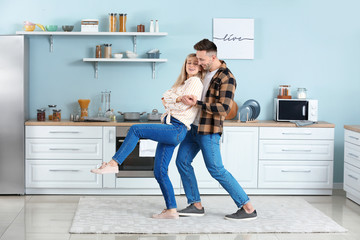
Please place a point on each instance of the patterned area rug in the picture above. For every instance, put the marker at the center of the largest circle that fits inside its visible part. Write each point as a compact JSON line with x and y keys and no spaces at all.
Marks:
{"x":129,"y":214}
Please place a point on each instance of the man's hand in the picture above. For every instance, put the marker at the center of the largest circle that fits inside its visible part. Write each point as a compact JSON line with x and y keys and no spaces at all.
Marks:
{"x":189,"y":100}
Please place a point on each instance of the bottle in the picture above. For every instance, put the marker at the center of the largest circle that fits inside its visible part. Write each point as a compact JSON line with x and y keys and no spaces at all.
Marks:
{"x":112,"y":22}
{"x":107,"y":50}
{"x":98,"y":51}
{"x":151,"y":26}
{"x":157,"y":26}
{"x":122,"y":22}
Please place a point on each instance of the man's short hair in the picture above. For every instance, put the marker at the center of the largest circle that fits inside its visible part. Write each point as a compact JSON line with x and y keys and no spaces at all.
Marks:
{"x":206,"y":45}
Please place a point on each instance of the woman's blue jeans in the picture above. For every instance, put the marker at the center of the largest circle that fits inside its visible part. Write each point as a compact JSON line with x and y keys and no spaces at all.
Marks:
{"x":210,"y":148}
{"x":168,"y":137}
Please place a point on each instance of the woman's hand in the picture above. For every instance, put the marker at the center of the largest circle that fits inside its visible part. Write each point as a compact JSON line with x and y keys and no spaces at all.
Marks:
{"x":189,"y":100}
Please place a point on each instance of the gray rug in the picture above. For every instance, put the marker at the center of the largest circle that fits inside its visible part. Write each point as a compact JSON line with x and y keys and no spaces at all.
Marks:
{"x":129,"y":214}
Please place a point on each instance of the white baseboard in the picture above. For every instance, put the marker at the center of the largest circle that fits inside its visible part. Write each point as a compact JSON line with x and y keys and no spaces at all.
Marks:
{"x":338,"y":185}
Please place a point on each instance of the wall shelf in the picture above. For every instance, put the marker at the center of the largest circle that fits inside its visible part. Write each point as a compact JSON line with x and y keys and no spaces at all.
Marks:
{"x":60,"y":33}
{"x":132,"y":60}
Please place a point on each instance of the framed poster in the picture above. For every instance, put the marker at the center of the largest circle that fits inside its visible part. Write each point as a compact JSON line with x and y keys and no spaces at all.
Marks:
{"x":234,"y":38}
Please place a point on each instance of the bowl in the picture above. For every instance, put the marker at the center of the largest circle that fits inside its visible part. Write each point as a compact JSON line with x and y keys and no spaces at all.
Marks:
{"x":153,"y":54}
{"x":29,"y":27}
{"x":118,"y":55}
{"x":51,"y":28}
{"x":130,"y":54}
{"x":67,"y":28}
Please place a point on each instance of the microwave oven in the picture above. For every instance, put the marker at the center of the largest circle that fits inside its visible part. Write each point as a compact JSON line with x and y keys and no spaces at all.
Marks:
{"x":295,"y":109}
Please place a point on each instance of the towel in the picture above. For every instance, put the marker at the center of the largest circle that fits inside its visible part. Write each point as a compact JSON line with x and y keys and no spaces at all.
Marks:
{"x":147,"y":148}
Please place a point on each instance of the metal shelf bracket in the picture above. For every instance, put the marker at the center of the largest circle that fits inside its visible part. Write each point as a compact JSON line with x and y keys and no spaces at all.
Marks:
{"x":134,"y":44}
{"x":51,"y":39}
{"x":96,"y":66}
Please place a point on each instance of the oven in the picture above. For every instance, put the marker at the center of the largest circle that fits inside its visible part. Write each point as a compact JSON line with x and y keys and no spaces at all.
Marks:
{"x":135,"y":165}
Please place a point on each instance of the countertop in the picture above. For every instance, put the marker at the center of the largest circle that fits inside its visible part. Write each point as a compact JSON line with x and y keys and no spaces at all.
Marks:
{"x":229,"y":123}
{"x":355,"y":128}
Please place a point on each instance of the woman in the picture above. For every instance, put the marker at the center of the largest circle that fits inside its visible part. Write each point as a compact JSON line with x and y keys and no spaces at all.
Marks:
{"x":175,"y":124}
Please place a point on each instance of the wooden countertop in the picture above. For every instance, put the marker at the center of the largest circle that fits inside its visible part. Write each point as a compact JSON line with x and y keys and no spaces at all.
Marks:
{"x":355,"y":128}
{"x":230,"y":123}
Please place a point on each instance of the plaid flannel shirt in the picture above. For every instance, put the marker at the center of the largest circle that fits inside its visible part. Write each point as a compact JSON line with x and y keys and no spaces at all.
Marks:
{"x":218,"y":100}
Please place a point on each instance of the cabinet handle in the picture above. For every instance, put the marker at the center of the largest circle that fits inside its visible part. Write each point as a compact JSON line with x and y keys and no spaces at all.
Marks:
{"x":63,"y":170}
{"x":356,"y":138}
{"x":353,"y":155}
{"x":289,"y":133}
{"x":121,"y":140}
{"x":296,"y":150}
{"x":64,"y":132}
{"x":353,"y":177}
{"x":64,"y":149}
{"x":111,"y":136}
{"x":305,"y":171}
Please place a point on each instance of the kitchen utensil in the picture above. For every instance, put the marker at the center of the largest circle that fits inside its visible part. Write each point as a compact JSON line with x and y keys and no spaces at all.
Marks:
{"x":233,"y":111}
{"x":154,"y":115}
{"x":67,"y":28}
{"x":105,"y":103}
{"x":96,"y":119}
{"x":84,"y":104}
{"x":245,"y":113}
{"x":130,"y":54}
{"x":118,"y":55}
{"x":256,"y":106}
{"x":134,"y":116}
{"x":51,"y":28}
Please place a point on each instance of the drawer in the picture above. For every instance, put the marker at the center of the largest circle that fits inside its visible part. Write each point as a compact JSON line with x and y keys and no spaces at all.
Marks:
{"x":352,"y":137}
{"x":352,"y":179}
{"x":62,"y":132}
{"x":296,"y":133}
{"x":63,"y":149}
{"x":296,"y":149}
{"x":301,"y":174}
{"x":62,"y":174}
{"x":352,"y":154}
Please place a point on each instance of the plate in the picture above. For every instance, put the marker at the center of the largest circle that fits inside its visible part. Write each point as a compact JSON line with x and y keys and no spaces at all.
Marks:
{"x":255,"y":106}
{"x":245,"y":113}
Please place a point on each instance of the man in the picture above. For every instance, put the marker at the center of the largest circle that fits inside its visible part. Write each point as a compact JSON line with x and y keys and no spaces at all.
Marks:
{"x":218,"y":93}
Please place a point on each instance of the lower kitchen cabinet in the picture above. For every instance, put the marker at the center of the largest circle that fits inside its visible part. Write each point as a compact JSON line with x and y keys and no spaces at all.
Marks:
{"x":352,"y":165}
{"x":264,"y":160}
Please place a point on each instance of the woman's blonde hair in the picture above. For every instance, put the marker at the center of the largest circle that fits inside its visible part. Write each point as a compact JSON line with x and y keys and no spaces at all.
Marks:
{"x":183,"y":74}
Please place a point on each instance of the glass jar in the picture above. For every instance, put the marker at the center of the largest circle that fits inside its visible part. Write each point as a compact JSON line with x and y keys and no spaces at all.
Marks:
{"x":98,"y":51}
{"x":301,"y":93}
{"x":107,"y":50}
{"x":50,"y":114}
{"x":112,"y":22}
{"x":56,"y":115}
{"x":41,"y":114}
{"x":284,"y":92}
{"x":122,"y":22}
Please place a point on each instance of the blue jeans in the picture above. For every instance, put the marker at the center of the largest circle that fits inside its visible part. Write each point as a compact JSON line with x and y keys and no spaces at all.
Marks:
{"x":168,"y":137}
{"x":210,"y":148}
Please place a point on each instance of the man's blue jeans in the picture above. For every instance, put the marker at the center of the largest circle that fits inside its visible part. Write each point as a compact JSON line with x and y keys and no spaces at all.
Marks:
{"x":168,"y":137}
{"x":210,"y":148}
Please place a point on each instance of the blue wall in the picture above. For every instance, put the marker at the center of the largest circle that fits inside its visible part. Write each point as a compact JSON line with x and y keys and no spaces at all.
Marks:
{"x":304,"y":43}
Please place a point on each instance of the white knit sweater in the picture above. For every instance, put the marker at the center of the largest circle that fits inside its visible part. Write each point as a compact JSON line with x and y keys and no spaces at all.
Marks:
{"x":184,"y":113}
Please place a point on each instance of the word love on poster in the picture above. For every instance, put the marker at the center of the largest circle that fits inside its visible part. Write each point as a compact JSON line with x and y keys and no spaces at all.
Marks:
{"x":234,"y":38}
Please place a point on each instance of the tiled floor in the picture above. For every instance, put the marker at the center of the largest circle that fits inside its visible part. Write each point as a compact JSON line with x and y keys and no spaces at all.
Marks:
{"x":44,"y":217}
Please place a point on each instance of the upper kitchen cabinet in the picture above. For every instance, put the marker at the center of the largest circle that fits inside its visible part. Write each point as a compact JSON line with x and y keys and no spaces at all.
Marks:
{"x":96,"y":61}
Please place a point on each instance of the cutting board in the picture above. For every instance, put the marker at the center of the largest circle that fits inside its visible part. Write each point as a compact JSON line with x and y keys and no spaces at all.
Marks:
{"x":233,"y":111}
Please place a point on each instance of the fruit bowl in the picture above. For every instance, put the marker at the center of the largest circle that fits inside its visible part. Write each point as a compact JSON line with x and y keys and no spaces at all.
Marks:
{"x":67,"y":28}
{"x":118,"y":55}
{"x":130,"y":54}
{"x":51,"y":28}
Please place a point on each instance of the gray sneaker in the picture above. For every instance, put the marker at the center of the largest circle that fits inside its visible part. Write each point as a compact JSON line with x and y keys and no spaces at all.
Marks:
{"x":192,"y":211}
{"x":242,"y":215}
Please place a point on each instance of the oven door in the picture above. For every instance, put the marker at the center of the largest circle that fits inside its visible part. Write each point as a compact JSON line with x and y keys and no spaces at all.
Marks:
{"x":135,"y":166}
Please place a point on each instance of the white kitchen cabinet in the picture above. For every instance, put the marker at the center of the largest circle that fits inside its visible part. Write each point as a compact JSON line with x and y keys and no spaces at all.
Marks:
{"x":109,"y":147}
{"x":299,"y":160}
{"x":352,"y":165}
{"x":239,"y":150}
{"x":60,"y":157}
